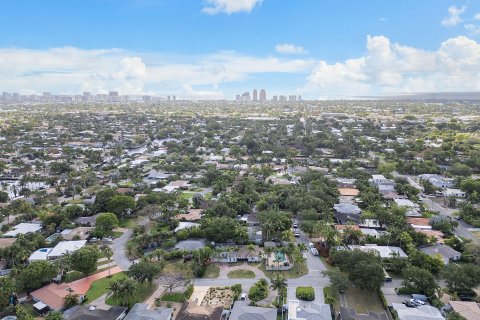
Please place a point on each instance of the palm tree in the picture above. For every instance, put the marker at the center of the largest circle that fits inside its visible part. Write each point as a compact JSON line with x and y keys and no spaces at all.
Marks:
{"x":251,"y":250}
{"x":107,"y":251}
{"x":268,"y":251}
{"x":129,"y":289}
{"x":302,"y":247}
{"x":279,"y":283}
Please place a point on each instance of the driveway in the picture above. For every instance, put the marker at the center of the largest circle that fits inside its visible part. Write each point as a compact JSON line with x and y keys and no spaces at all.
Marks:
{"x":119,"y":250}
{"x":313,"y":278}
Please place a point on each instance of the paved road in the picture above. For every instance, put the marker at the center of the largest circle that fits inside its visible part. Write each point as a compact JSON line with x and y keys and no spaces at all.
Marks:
{"x":119,"y":250}
{"x":313,"y":278}
{"x":461,"y":230}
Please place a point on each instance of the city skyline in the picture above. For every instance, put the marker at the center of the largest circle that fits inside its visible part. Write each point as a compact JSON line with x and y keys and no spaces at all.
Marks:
{"x":213,"y":49}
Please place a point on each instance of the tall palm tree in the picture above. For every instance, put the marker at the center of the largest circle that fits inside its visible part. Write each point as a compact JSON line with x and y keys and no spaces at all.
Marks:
{"x":129,"y":289}
{"x":278,"y":283}
{"x":107,"y":251}
{"x":251,"y":250}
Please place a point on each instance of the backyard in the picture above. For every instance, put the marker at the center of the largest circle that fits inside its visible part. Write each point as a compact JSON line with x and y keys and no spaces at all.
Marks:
{"x":100,"y":287}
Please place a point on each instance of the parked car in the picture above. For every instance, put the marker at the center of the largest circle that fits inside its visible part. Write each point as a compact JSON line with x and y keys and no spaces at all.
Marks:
{"x":409,"y":304}
{"x":417,"y":302}
{"x":314,"y":251}
{"x":296,"y":233}
{"x":311,"y":245}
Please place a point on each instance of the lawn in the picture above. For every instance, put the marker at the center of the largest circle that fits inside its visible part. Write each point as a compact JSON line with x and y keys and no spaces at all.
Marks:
{"x":292,"y":273}
{"x":212,"y":271}
{"x":363,"y":300}
{"x":129,"y":223}
{"x":100,"y":286}
{"x":144,"y":291}
{"x":179,"y":268}
{"x":241,"y":273}
{"x":173,"y":297}
{"x":187,"y":195}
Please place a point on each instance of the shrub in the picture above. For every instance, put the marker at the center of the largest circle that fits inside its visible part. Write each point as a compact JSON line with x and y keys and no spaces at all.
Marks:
{"x":305,"y":293}
{"x":237,"y":290}
{"x":188,"y":292}
{"x":258,"y":291}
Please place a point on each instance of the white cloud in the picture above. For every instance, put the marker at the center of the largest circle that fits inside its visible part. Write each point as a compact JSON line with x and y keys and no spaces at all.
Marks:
{"x":472,"y":28}
{"x":229,"y":6}
{"x":477,"y":16}
{"x":392,"y":68}
{"x":454,"y":16}
{"x":72,"y":70}
{"x":289,"y":48}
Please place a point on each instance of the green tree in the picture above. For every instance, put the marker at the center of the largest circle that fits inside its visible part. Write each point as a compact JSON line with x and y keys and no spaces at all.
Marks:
{"x":22,"y":313}
{"x":339,"y":281}
{"x":455,"y":316}
{"x":106,"y":222}
{"x":417,"y":279}
{"x":102,"y":198}
{"x":462,"y":278}
{"x":108,"y":253}
{"x":85,"y":259}
{"x":36,"y":274}
{"x":143,"y":271}
{"x":369,"y":276}
{"x":7,"y":288}
{"x":71,"y":300}
{"x":121,"y":205}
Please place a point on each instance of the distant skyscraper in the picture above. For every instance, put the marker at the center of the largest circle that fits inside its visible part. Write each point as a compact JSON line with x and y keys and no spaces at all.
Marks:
{"x":168,"y":98}
{"x":254,"y":94}
{"x":282,"y":98}
{"x":238,"y":98}
{"x":299,"y":98}
{"x":174,"y":98}
{"x":292,"y":98}
{"x":274,"y":98}
{"x":246,"y":97}
{"x":263,"y":95}
{"x":113,"y":93}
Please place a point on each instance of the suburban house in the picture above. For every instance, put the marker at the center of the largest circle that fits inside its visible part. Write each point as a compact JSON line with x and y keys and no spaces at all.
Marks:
{"x":468,"y":309}
{"x":191,"y":215}
{"x":383,"y":251}
{"x":23,"y":228}
{"x":424,"y":312}
{"x":62,"y":248}
{"x":52,"y":295}
{"x":457,"y":193}
{"x":140,"y":311}
{"x":382,"y":183}
{"x":315,"y":311}
{"x":437,"y":180}
{"x":242,"y":311}
{"x":448,"y":254}
{"x":238,"y":254}
{"x":345,"y":212}
{"x":89,"y":312}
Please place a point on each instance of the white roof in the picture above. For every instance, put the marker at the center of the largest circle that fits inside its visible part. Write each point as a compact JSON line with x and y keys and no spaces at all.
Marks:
{"x":418,"y":313}
{"x":186,"y":225}
{"x":65,"y":247}
{"x":40,"y":305}
{"x":40,"y":254}
{"x":404,"y":203}
{"x":371,"y":232}
{"x":383,"y":251}
{"x":23,"y":228}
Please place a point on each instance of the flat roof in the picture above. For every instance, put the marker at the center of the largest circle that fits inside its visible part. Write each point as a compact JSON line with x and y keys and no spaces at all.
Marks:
{"x":40,"y":254}
{"x":66,"y":246}
{"x":23,"y":228}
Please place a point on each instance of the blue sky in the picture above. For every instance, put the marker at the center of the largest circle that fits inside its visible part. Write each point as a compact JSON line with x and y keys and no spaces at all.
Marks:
{"x":217,"y":48}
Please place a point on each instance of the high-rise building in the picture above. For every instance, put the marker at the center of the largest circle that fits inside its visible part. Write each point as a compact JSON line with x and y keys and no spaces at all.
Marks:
{"x":174,"y":98}
{"x":292,"y":98}
{"x":299,"y":98}
{"x":254,"y":94}
{"x":238,"y":97}
{"x":168,"y":98}
{"x":263,"y":95}
{"x":113,"y":93}
{"x":282,"y":98}
{"x":246,"y":97}
{"x":274,"y":98}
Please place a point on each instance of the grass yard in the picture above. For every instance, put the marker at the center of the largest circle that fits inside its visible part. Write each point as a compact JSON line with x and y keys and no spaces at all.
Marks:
{"x":129,"y":223}
{"x":292,"y":273}
{"x":173,"y":297}
{"x":175,"y":268}
{"x":212,"y":271}
{"x":241,"y":274}
{"x":187,"y":195}
{"x":363,"y":300}
{"x":144,"y":291}
{"x":100,"y":286}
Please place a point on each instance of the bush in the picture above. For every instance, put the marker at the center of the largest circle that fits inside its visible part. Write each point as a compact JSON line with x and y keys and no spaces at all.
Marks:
{"x":258,"y":291}
{"x":305,"y":293}
{"x":188,"y":292}
{"x":328,"y":295}
{"x":237,"y":290}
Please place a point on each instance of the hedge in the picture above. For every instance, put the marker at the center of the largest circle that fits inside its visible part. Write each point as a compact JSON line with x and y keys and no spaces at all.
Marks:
{"x":305,"y":293}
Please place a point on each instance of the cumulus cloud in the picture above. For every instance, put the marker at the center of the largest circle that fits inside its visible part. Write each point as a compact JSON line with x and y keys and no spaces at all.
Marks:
{"x":393,"y":68}
{"x":289,"y":48}
{"x":454,"y":16}
{"x":71,"y":70}
{"x":230,"y":6}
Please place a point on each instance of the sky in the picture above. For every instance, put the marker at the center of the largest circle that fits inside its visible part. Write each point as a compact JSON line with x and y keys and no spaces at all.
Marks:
{"x":215,"y":49}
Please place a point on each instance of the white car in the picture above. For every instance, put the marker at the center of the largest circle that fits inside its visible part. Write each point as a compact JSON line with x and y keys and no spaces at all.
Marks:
{"x":296,"y":233}
{"x":417,"y":302}
{"x":314,"y":251}
{"x":311,"y":245}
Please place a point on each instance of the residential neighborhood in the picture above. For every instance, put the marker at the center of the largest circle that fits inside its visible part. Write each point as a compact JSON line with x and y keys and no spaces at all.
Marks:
{"x":306,"y":210}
